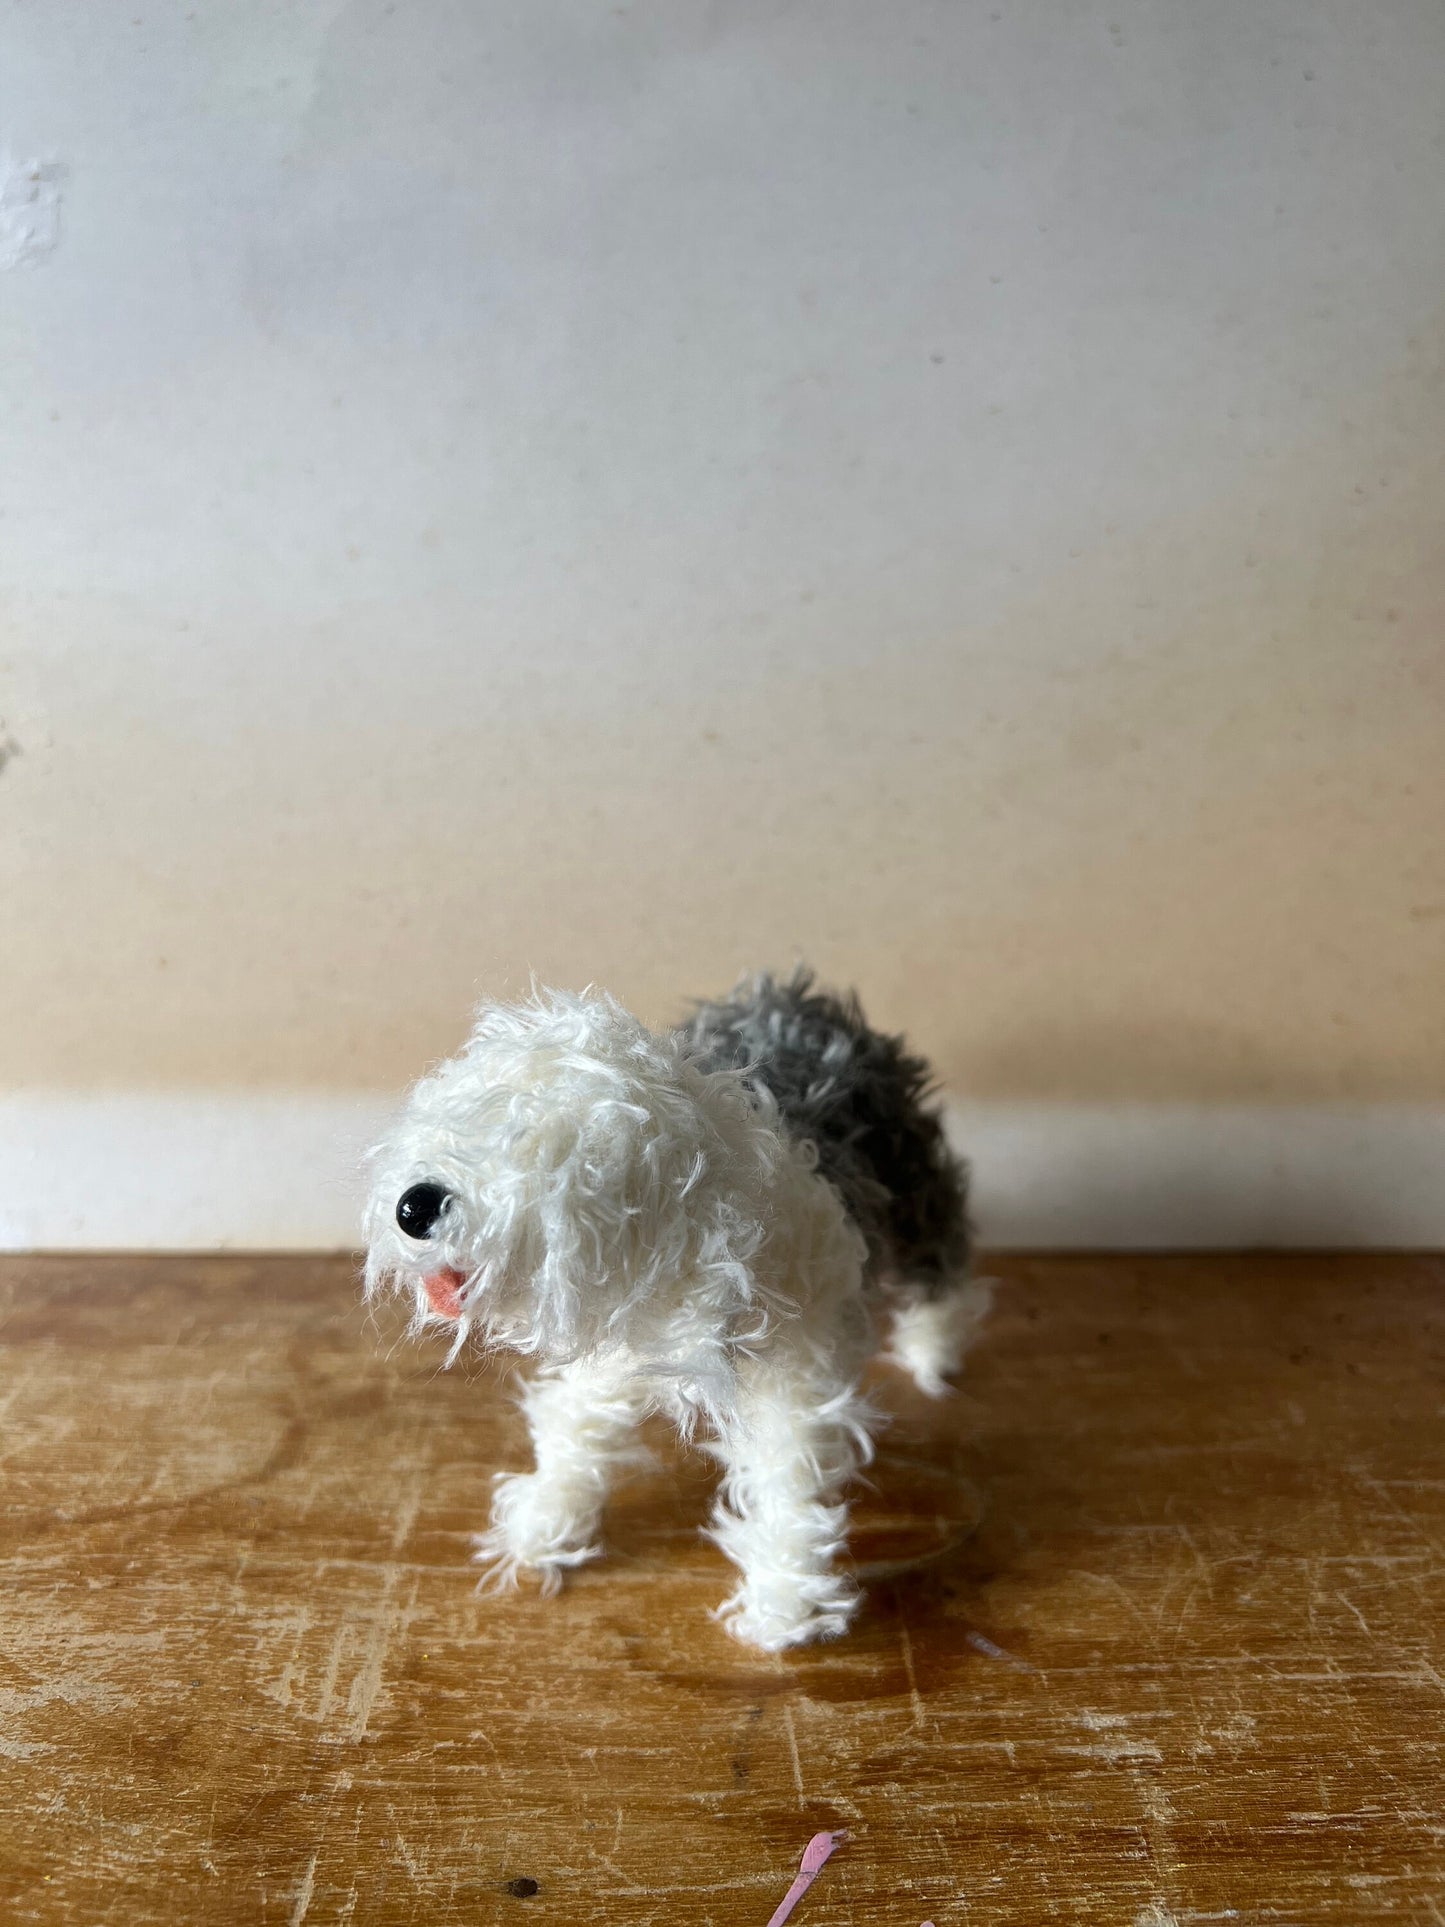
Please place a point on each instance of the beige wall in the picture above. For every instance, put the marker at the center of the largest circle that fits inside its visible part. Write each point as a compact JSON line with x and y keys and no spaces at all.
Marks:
{"x":627,"y":493}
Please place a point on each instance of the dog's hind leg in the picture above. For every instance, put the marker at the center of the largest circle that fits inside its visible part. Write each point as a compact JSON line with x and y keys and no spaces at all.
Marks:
{"x":932,"y":1331}
{"x":583,"y":1418}
{"x":788,"y":1450}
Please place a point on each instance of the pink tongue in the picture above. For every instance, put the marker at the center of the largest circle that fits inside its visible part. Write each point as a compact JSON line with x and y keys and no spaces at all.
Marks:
{"x":444,"y":1292}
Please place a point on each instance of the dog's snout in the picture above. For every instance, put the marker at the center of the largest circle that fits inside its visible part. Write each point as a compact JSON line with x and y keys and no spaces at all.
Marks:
{"x":418,"y":1209}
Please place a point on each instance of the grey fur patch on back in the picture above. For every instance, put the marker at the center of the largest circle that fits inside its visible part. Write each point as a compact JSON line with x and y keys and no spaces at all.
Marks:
{"x":862,"y":1100}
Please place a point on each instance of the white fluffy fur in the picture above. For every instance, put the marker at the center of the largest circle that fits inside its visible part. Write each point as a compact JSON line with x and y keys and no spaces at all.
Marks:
{"x":652,"y":1236}
{"x":931,"y":1337}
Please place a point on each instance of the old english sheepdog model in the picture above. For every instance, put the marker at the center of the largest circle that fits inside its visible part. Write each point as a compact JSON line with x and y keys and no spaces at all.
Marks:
{"x":709,"y":1222}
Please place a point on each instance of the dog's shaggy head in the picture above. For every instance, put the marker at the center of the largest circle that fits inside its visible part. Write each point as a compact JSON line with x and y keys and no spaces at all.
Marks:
{"x":559,"y":1181}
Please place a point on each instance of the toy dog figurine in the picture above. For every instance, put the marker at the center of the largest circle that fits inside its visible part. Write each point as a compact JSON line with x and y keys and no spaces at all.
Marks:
{"x":708,"y":1222}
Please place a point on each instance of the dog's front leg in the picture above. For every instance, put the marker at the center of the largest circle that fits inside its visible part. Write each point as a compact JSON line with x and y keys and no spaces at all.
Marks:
{"x":788,"y":1450}
{"x":582,"y":1417}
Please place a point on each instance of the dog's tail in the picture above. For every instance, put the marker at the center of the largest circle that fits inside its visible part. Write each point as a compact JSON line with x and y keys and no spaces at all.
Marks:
{"x":933,"y":1331}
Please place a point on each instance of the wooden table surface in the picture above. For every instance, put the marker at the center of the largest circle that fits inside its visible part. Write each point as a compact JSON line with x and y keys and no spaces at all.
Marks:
{"x":1169,"y":1649}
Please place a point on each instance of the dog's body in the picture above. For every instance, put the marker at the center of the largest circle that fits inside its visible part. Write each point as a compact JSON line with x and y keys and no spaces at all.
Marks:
{"x":706,"y":1222}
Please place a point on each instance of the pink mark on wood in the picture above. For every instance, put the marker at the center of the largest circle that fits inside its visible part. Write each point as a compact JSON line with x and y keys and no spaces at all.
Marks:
{"x":815,"y":1854}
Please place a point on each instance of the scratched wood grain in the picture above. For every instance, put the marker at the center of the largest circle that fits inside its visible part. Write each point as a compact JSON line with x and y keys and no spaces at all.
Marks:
{"x":1171,"y":1651}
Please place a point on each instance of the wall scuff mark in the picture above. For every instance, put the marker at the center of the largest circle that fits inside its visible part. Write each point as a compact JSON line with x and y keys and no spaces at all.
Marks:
{"x":29,"y":210}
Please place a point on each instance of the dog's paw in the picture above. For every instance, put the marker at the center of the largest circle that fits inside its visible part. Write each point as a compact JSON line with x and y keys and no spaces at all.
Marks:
{"x":799,"y":1613}
{"x":534,"y":1530}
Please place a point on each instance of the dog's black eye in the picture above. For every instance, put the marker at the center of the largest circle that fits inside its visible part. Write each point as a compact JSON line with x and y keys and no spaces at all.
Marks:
{"x":418,"y":1209}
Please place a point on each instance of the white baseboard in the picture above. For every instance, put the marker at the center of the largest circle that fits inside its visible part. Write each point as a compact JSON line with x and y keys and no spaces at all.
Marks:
{"x":280,"y":1172}
{"x":1153,"y":1177}
{"x":183,"y":1171}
